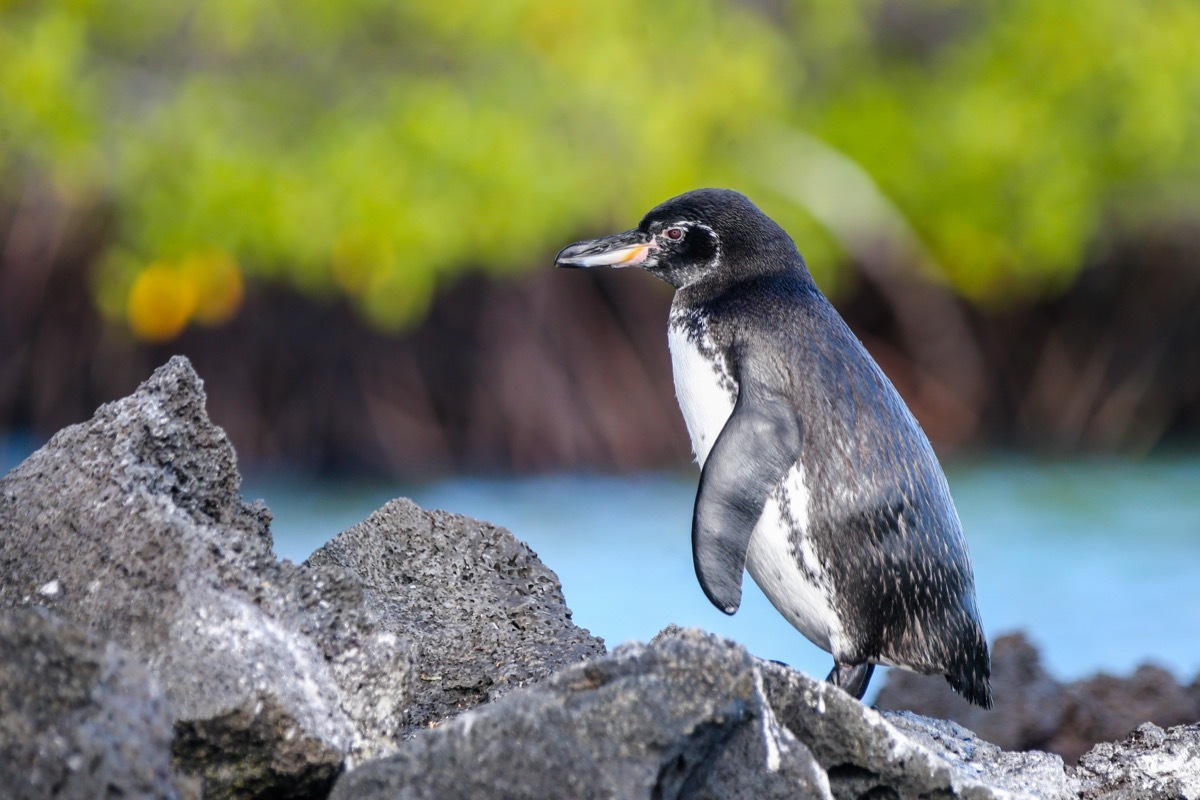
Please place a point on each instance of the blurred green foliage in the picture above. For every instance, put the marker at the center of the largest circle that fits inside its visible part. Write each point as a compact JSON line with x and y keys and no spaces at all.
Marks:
{"x":373,"y":148}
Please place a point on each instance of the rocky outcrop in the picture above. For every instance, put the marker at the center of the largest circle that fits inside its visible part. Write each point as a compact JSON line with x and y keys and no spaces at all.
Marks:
{"x":132,"y":526}
{"x":693,"y":716}
{"x":151,"y":645}
{"x":79,"y":716}
{"x":1150,"y":764}
{"x":869,"y":753}
{"x":684,"y":717}
{"x":1035,"y":711}
{"x":277,"y":676}
{"x":486,"y":614}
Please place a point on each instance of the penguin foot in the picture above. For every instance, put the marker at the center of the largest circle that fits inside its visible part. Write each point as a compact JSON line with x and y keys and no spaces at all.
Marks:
{"x":851,"y":678}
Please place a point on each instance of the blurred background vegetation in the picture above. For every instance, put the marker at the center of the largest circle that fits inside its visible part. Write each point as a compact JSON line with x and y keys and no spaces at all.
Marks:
{"x":345,"y":212}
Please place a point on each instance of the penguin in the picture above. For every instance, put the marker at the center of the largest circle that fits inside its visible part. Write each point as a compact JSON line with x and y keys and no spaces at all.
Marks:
{"x":814,"y":475}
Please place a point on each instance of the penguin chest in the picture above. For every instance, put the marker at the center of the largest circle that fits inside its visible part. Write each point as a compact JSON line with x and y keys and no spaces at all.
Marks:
{"x":703,"y":386}
{"x":786,"y":566}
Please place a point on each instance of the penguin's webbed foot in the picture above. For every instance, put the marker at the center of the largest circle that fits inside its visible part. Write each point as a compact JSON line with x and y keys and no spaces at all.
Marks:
{"x":851,"y":678}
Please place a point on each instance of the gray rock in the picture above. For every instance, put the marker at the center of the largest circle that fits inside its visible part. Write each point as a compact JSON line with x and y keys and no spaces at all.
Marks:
{"x":899,"y":754}
{"x":1151,"y":764}
{"x":483,"y":613}
{"x":902,"y":754}
{"x":694,"y":716}
{"x":79,"y":716}
{"x":1106,"y":708}
{"x":1034,"y":711}
{"x":132,"y":526}
{"x":1029,"y":703}
{"x":682,"y":717}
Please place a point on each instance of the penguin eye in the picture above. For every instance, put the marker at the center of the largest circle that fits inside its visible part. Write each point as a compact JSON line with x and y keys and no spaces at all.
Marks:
{"x":673,"y":233}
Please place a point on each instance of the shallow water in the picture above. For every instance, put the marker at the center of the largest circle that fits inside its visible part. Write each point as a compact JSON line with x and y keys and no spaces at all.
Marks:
{"x":1098,"y":561}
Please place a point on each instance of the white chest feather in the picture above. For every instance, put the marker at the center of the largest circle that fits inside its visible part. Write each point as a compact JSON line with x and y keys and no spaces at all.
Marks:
{"x":704,"y":388}
{"x":783,"y":563}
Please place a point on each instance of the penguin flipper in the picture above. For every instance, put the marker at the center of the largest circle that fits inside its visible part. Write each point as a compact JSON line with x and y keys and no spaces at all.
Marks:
{"x":758,"y":445}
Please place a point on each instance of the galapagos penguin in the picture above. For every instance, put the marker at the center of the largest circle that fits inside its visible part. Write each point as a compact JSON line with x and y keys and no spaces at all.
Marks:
{"x":815,"y":477}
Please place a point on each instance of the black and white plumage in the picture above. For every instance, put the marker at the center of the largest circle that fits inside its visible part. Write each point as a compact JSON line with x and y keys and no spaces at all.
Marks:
{"x":814,"y":474}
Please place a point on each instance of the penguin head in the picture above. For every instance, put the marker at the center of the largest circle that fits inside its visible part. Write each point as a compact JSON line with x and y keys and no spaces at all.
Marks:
{"x":687,"y":238}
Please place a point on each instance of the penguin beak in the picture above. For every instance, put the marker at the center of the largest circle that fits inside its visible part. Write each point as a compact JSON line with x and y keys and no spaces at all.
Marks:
{"x":626,"y":249}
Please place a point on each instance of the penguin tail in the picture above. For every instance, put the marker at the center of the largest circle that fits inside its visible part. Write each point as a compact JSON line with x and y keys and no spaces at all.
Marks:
{"x":975,"y":689}
{"x":971,"y":677}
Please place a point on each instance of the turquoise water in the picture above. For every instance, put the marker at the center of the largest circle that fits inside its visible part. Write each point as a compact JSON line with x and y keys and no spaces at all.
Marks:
{"x":1098,"y":561}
